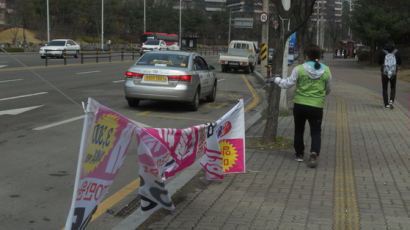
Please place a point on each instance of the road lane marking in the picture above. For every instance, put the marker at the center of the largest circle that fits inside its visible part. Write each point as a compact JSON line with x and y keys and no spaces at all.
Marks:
{"x":88,"y":72}
{"x":346,"y":215}
{"x":21,"y":96}
{"x":144,"y":113}
{"x":119,"y":81}
{"x":115,"y":198}
{"x":18,"y":111}
{"x":59,"y":123}
{"x":216,"y":105}
{"x":142,"y":125}
{"x":174,"y":117}
{"x":255,"y":97}
{"x":2,"y":66}
{"x":60,"y":65}
{"x":6,"y":81}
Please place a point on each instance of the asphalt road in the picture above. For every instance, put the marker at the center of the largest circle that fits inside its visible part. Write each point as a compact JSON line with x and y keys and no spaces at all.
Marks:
{"x":41,"y":124}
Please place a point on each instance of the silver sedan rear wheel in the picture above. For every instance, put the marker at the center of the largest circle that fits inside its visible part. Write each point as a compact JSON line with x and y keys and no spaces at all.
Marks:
{"x":132,"y":102}
{"x":212,"y":96}
{"x":195,"y":101}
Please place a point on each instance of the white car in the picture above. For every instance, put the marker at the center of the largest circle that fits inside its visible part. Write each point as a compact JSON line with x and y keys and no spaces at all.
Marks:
{"x":151,"y":45}
{"x":173,"y":46}
{"x":56,"y":47}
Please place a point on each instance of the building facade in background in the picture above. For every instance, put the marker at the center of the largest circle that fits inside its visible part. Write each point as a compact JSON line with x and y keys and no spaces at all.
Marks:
{"x":3,"y":12}
{"x":328,"y":22}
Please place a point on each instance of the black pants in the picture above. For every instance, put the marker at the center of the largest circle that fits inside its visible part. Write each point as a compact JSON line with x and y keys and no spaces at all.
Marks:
{"x":385,"y":82}
{"x":314,"y":116}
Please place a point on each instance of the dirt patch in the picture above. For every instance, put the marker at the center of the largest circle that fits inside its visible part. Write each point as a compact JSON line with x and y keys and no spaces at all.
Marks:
{"x":7,"y":36}
{"x":280,"y":143}
{"x":404,"y":75}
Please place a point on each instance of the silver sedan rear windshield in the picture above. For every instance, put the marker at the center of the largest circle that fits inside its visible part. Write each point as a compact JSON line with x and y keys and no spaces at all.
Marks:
{"x":152,"y":42}
{"x":56,"y":43}
{"x":161,"y":59}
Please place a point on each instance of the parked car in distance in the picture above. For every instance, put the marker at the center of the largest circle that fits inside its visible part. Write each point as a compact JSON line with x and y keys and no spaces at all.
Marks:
{"x":241,"y":55}
{"x":173,"y":46}
{"x":271,"y":55}
{"x":170,"y":76}
{"x":56,"y":48}
{"x":152,"y":44}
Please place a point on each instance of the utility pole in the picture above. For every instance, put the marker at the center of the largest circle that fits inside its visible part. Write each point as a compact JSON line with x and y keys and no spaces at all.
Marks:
{"x":265,"y":40}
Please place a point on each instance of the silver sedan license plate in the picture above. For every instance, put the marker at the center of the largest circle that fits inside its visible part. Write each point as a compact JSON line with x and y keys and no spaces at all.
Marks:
{"x":156,"y":78}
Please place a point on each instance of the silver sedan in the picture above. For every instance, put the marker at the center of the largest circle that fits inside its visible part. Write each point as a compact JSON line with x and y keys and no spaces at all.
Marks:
{"x":170,"y":75}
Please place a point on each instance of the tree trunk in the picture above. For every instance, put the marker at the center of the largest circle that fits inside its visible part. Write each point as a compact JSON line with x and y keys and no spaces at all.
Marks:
{"x":372,"y":51}
{"x":289,"y":21}
{"x":277,"y":42}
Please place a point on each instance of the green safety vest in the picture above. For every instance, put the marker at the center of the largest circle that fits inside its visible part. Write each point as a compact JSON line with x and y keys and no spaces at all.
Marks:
{"x":309,"y":91}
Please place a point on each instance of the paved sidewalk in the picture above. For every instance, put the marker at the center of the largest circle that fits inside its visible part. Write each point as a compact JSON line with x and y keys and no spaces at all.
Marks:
{"x":362,"y":180}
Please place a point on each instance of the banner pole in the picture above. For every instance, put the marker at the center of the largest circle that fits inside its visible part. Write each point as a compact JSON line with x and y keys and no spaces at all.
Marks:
{"x":69,"y":221}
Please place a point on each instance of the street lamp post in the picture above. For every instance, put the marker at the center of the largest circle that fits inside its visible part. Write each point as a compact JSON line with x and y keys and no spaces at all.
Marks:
{"x":102,"y":25}
{"x":48,"y":24}
{"x":230,"y":19}
{"x":349,"y":33}
{"x":145,"y":20}
{"x":317,"y":23}
{"x":180,"y":22}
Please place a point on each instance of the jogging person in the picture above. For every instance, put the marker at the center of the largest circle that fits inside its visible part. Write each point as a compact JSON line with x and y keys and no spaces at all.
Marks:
{"x":389,"y":60}
{"x":313,"y":83}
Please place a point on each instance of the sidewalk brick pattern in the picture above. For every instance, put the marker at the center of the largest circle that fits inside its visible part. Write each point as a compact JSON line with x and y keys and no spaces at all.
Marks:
{"x":279,"y":193}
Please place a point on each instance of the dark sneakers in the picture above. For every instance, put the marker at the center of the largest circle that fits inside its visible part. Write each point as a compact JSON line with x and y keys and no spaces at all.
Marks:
{"x":391,"y":104}
{"x":312,"y":160}
{"x":299,"y":157}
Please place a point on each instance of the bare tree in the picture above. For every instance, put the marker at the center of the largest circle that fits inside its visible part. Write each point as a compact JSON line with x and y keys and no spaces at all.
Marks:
{"x":289,"y":21}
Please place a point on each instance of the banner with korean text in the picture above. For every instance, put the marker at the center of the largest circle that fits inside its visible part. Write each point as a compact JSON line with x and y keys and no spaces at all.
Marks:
{"x":162,"y":152}
{"x":105,"y":140}
{"x":225,"y":152}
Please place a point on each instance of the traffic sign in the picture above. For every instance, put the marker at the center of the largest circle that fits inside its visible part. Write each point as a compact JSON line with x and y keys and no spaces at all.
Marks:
{"x":263,"y":17}
{"x":275,"y":24}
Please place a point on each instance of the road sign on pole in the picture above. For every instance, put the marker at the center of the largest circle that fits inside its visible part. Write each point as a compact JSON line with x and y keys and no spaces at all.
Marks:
{"x":263,"y":17}
{"x":245,"y":23}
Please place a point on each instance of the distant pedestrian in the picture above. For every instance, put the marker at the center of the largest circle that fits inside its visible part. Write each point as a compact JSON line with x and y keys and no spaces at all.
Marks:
{"x":389,"y":60}
{"x":313,"y":83}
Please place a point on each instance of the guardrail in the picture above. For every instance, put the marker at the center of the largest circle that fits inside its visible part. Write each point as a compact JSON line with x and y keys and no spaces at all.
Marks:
{"x":96,"y":55}
{"x":122,"y":55}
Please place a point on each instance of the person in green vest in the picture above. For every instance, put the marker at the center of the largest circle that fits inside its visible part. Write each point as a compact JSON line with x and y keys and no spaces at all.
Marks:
{"x":313,"y":82}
